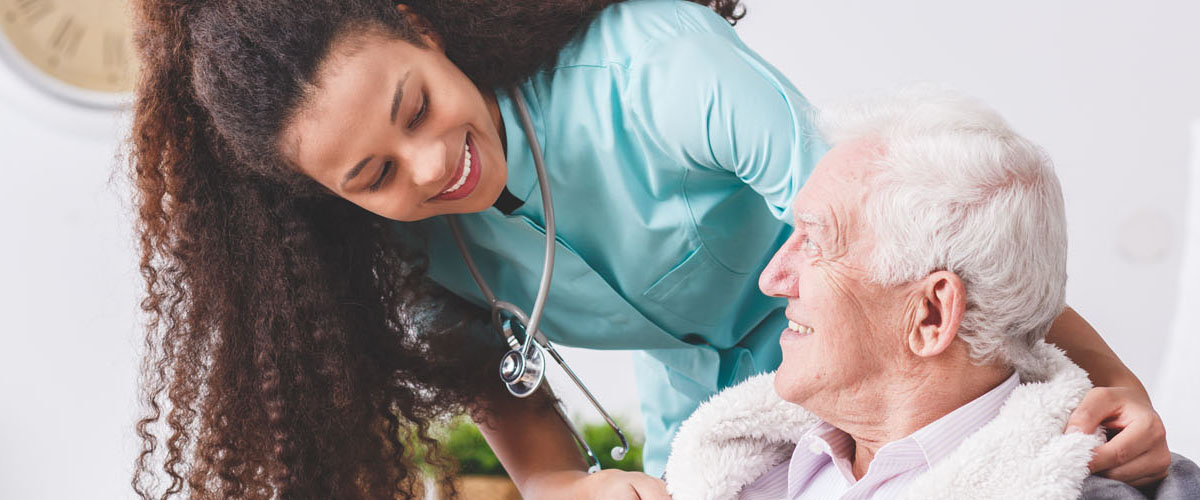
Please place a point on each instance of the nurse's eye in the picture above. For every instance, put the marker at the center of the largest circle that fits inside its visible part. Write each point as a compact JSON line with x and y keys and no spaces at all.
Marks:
{"x":420,"y":112}
{"x":383,"y":172}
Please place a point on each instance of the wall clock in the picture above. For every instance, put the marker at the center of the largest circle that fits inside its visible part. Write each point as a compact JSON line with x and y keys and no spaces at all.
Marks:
{"x":77,"y":50}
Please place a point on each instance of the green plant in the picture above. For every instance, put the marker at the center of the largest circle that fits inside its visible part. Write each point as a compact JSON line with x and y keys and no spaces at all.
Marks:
{"x":465,"y":443}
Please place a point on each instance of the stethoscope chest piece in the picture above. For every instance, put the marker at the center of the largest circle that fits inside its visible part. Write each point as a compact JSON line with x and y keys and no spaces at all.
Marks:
{"x":522,"y":373}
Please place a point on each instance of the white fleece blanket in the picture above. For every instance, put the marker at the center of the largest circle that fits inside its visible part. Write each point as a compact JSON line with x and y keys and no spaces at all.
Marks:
{"x":740,"y":433}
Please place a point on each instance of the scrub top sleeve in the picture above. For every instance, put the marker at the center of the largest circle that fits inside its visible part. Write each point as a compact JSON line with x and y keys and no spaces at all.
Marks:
{"x":708,"y":101}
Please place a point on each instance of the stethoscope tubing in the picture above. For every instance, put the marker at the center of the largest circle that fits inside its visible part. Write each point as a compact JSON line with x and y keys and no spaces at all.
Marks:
{"x":539,"y":304}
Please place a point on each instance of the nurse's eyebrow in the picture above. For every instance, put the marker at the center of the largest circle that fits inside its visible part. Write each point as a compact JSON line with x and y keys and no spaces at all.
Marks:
{"x":354,"y":171}
{"x":398,"y":96}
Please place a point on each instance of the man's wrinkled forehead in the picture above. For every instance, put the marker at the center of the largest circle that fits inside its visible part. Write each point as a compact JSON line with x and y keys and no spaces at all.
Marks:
{"x":838,"y":188}
{"x":854,"y":161}
{"x":848,"y":166}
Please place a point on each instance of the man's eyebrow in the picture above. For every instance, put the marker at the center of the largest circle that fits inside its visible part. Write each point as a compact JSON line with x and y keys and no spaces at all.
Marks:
{"x":355,"y":170}
{"x":809,"y":219}
{"x":398,"y":96}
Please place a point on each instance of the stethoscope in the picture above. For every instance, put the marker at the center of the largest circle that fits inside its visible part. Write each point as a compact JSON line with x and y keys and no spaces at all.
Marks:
{"x":523,"y":367}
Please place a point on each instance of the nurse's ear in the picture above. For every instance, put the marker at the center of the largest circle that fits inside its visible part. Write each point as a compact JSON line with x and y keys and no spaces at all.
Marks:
{"x":428,"y":34}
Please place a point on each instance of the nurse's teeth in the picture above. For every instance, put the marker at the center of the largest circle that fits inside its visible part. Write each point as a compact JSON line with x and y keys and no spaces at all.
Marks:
{"x":801,"y":329}
{"x":466,"y":170}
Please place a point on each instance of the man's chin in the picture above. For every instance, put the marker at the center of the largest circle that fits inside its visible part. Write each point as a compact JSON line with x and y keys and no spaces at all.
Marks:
{"x":789,"y":388}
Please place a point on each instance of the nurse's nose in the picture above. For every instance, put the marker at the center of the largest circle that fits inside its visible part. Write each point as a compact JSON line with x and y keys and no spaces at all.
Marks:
{"x":427,"y":164}
{"x":779,"y":277}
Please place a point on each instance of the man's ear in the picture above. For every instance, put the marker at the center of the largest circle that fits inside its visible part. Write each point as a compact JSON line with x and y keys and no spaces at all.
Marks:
{"x":942,"y":301}
{"x":431,"y":36}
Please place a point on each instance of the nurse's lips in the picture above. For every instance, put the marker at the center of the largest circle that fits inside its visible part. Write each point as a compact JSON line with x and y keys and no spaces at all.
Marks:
{"x":465,"y":185}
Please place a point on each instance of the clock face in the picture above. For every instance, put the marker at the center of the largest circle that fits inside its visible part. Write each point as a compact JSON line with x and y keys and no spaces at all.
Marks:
{"x":78,"y":49}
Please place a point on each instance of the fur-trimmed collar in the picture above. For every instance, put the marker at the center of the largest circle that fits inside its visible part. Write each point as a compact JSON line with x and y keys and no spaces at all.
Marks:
{"x":742,"y":432}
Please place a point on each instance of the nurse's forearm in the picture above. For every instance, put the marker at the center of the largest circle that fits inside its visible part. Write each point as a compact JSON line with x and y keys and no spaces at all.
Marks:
{"x":1088,"y":350}
{"x":535,"y":446}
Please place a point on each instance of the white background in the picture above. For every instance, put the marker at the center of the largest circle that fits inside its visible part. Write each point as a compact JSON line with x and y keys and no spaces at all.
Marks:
{"x":1109,"y":88}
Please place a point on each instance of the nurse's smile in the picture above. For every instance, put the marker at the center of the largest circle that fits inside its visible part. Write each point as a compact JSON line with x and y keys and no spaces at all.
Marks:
{"x":466,"y":177}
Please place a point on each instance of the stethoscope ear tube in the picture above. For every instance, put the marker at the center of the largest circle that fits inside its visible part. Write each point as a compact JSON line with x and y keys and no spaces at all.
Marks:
{"x":523,"y":367}
{"x":618,"y":452}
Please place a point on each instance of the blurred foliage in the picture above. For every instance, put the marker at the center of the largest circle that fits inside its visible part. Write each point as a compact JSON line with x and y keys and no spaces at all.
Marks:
{"x":465,"y":443}
{"x":462,"y":440}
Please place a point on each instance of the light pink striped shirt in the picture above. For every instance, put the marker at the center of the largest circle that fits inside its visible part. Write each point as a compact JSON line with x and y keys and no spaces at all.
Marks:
{"x":820,"y":467}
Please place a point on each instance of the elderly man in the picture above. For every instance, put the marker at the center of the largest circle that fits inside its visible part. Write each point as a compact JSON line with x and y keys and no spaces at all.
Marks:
{"x":927,"y":264}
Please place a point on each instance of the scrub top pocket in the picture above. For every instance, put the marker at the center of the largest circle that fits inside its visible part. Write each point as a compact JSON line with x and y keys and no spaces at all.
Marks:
{"x":695,"y":290}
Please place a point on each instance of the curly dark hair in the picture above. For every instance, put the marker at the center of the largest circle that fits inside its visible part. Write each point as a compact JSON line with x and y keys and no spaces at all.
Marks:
{"x":291,"y":338}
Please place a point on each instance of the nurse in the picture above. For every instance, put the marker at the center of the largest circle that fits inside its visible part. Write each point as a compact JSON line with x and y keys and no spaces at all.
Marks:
{"x":295,"y":161}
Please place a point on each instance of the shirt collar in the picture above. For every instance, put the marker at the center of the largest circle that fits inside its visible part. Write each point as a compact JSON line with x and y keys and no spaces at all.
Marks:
{"x":943,"y":435}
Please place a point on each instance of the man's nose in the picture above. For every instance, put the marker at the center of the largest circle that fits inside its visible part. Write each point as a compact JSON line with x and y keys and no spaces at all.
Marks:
{"x":778,"y":280}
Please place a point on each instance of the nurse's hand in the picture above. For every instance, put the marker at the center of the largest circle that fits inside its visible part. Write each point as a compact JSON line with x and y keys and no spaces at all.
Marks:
{"x":541,"y":457}
{"x":603,"y":485}
{"x":1138,"y":453}
{"x":623,"y":485}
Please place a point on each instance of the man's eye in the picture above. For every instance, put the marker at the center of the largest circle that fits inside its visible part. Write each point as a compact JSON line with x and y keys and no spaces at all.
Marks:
{"x":383,"y":172}
{"x":420,"y":112}
{"x":810,"y":247}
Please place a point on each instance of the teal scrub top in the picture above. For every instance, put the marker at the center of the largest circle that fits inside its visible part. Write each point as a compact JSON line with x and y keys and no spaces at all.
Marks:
{"x":673,"y":152}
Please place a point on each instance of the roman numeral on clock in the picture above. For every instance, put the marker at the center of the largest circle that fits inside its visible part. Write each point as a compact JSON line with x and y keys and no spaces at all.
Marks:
{"x":66,"y":36}
{"x":34,"y":10}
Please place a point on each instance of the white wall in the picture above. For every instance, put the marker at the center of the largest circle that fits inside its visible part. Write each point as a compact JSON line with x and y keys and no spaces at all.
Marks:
{"x":68,"y":291}
{"x":1178,"y":400}
{"x":1108,"y":87}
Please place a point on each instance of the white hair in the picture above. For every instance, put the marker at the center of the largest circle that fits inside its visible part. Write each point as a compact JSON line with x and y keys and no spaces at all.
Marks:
{"x":957,"y":189}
